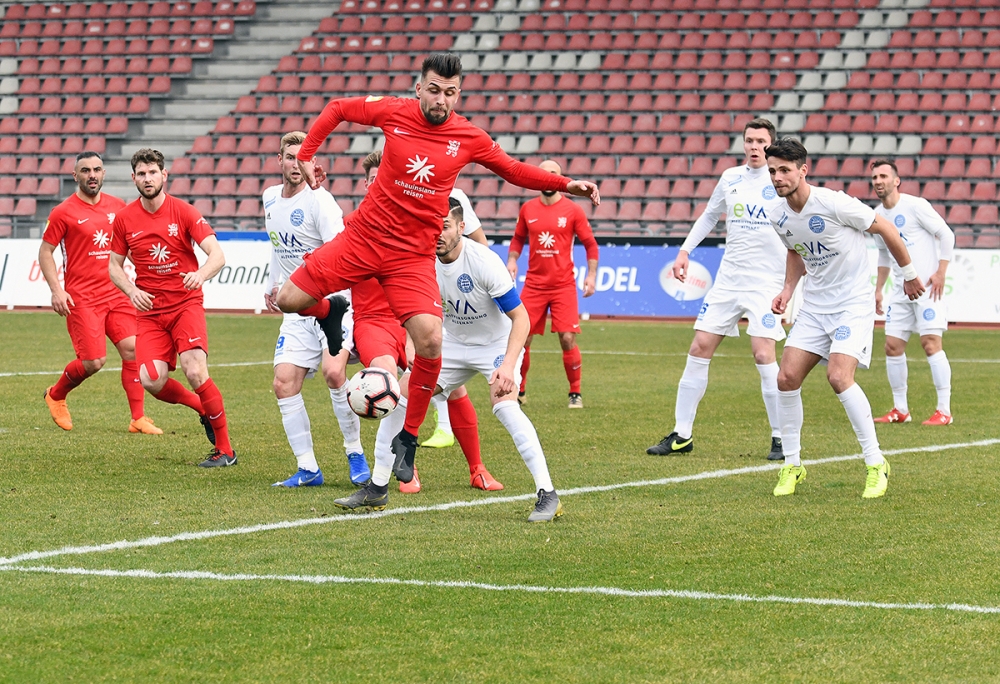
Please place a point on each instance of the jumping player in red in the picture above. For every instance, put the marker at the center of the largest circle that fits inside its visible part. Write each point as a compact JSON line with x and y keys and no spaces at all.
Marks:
{"x":157,"y":231}
{"x":549,"y":225}
{"x":392,"y":235}
{"x":92,"y":305}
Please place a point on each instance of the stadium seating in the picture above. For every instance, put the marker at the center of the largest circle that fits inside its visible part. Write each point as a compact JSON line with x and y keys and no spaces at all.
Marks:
{"x":84,"y":70}
{"x":648,"y":97}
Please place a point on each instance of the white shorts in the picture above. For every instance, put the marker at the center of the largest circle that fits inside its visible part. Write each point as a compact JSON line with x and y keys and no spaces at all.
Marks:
{"x":846,"y":332}
{"x":460,"y":363}
{"x":723,"y":309}
{"x":301,"y":342}
{"x":924,"y":317}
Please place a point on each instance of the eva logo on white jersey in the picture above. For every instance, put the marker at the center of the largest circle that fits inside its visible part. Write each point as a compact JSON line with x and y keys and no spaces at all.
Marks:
{"x":101,"y":239}
{"x":159,"y":252}
{"x":546,"y":239}
{"x":421,"y":170}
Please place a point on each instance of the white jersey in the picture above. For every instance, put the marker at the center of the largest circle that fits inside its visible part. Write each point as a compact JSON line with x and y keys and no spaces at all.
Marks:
{"x":469,"y":287}
{"x":472,"y":222}
{"x":754,"y":258}
{"x":297,"y":225}
{"x":928,"y":238}
{"x":829,"y":235}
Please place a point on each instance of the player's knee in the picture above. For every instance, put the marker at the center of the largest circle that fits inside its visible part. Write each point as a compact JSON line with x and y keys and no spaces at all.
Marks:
{"x":787,"y":382}
{"x":284,"y":388}
{"x":840,"y":379}
{"x":91,"y":366}
{"x":150,"y":385}
{"x":335,"y":377}
{"x":931,"y":344}
{"x":895,"y":346}
{"x":291,"y":299}
{"x":567,"y":341}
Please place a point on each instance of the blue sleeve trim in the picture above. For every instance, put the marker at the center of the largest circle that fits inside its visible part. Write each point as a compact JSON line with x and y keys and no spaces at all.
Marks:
{"x":509,"y":301}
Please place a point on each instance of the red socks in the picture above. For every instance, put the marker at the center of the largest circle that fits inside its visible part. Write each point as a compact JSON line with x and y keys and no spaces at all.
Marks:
{"x":465,"y":426}
{"x":71,"y":377}
{"x":211,"y":399}
{"x":133,"y":388}
{"x":173,"y":392}
{"x":572,"y":363}
{"x":525,"y":363}
{"x":423,"y":378}
{"x":320,"y":309}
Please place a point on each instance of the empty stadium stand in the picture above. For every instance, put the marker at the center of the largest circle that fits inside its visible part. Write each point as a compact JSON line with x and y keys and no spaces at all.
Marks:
{"x":648,"y":97}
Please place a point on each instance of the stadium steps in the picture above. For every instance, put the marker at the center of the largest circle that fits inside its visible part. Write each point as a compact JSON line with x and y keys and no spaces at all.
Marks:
{"x":214,"y":86}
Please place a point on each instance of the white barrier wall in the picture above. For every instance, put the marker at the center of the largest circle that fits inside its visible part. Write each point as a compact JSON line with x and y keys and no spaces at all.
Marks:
{"x":972,"y":289}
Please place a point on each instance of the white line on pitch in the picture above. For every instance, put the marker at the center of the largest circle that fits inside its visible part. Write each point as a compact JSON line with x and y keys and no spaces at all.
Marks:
{"x":526,"y":588}
{"x":486,"y":501}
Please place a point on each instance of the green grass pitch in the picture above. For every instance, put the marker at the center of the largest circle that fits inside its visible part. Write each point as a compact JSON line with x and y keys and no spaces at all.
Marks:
{"x":694,"y":580}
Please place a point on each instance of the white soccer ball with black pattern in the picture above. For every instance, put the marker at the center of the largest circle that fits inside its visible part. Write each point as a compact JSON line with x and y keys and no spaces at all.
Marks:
{"x":373,"y":393}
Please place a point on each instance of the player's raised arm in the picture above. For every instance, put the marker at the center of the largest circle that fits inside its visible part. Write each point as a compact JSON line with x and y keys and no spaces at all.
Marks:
{"x":912,"y":285}
{"x":362,"y":110}
{"x":533,"y":178}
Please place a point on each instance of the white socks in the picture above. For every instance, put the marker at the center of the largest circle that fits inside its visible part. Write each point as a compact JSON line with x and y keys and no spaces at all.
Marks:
{"x":790,"y":419}
{"x":350,"y":424}
{"x":859,"y":412}
{"x":525,"y":438}
{"x":941,"y":373}
{"x":769,"y":390}
{"x":388,"y":428}
{"x":296,"y":422}
{"x":441,"y":406}
{"x":895,"y":368}
{"x":690,"y":390}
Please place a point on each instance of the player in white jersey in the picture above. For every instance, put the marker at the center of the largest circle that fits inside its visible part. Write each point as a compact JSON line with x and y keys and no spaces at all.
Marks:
{"x":298,"y":220}
{"x":485,"y":326}
{"x":443,"y":435}
{"x":824,"y":233}
{"x":749,"y":277}
{"x":930,"y":243}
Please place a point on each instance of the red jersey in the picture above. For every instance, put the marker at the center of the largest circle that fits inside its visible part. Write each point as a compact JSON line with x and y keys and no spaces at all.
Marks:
{"x":405,"y":207}
{"x":84,"y":231}
{"x":550,"y":230}
{"x":162,"y":247}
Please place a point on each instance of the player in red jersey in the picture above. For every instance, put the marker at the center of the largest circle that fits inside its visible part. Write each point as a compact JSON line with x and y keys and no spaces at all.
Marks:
{"x":549,"y":225}
{"x":392,"y":235}
{"x":92,"y":305}
{"x":157,"y":232}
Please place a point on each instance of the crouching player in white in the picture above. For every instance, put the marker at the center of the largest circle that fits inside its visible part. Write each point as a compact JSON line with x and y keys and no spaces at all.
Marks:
{"x":824,"y":233}
{"x":930,"y":242}
{"x":485,"y":326}
{"x":300,"y":219}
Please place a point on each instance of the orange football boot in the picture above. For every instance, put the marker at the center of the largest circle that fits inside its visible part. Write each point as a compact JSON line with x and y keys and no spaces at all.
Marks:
{"x":59,"y":411}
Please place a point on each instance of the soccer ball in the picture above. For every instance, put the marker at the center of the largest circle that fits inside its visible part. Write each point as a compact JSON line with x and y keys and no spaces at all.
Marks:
{"x":373,"y":393}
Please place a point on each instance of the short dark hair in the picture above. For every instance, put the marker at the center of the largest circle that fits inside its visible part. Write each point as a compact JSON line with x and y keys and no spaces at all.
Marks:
{"x":147,"y":156}
{"x":760,"y":122}
{"x":444,"y":64}
{"x":885,"y":162}
{"x":455,"y":209}
{"x":788,"y":149}
{"x":87,"y":153}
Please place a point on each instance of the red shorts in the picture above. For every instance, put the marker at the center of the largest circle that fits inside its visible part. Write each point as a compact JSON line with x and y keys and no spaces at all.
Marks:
{"x":380,"y":337}
{"x":162,"y":336}
{"x":561,"y":301}
{"x":88,"y":325}
{"x":409,"y":279}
